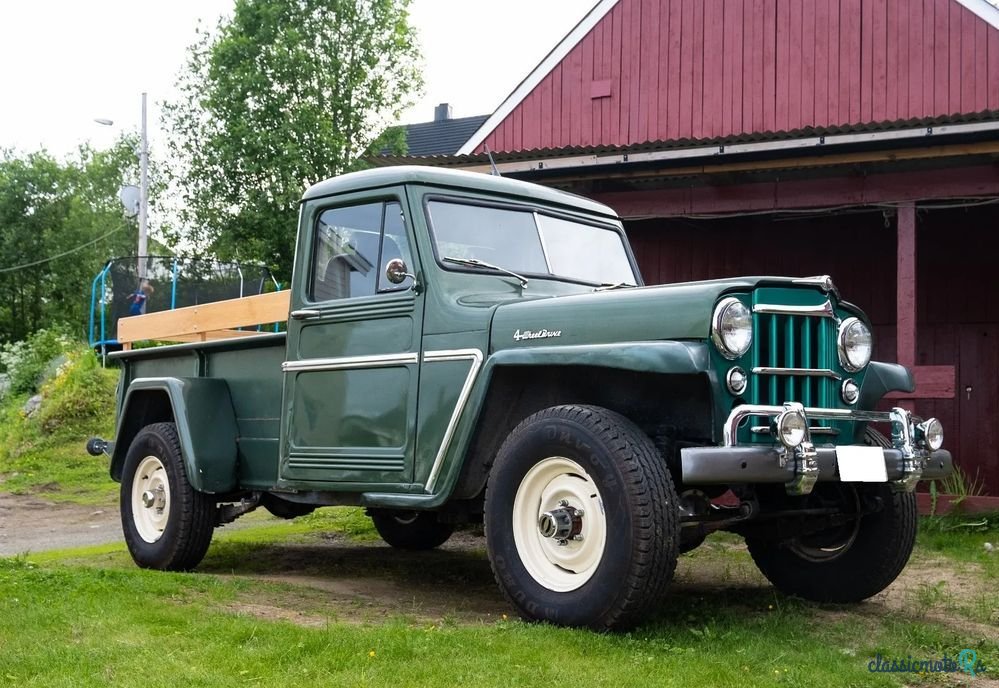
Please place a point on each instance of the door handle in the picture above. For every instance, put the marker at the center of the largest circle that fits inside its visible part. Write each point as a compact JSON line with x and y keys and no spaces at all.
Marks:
{"x":305,"y":313}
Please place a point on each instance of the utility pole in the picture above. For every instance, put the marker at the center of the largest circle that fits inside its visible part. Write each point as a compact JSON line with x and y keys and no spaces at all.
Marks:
{"x":143,"y":193}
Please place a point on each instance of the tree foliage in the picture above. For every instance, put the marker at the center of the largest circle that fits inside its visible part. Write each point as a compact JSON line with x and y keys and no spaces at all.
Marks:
{"x":48,"y":207}
{"x":281,"y":95}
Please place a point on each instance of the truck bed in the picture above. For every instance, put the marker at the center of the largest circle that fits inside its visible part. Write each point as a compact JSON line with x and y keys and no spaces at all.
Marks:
{"x":251,"y":366}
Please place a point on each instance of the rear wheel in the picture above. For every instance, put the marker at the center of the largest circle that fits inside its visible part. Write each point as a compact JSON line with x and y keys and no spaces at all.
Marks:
{"x":581,"y":519}
{"x":412,"y":530}
{"x":167,"y":524}
{"x":850,"y":562}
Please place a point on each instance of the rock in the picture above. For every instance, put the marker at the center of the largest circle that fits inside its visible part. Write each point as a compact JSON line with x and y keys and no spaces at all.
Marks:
{"x":32,"y":405}
{"x":988,"y":547}
{"x":4,"y":384}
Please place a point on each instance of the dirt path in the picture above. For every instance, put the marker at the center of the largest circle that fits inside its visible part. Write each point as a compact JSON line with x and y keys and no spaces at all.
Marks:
{"x":30,"y":524}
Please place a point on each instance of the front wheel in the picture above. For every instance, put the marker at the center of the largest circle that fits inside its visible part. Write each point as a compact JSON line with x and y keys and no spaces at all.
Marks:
{"x":850,"y":562}
{"x":167,"y":524}
{"x":581,"y":519}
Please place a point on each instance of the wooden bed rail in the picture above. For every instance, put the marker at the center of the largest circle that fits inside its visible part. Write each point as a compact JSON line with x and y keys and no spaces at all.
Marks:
{"x":217,"y":320}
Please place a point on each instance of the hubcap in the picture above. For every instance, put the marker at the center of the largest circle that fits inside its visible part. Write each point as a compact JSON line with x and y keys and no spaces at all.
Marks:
{"x":559,"y":526}
{"x":150,"y":499}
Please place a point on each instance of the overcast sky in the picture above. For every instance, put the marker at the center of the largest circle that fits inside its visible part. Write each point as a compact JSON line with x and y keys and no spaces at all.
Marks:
{"x":65,"y":62}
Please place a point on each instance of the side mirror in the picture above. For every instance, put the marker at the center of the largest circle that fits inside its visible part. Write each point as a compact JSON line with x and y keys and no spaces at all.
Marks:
{"x":396,"y":271}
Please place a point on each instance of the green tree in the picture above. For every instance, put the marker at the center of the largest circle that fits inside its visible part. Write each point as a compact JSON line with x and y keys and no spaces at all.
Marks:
{"x":282,"y":95}
{"x":49,"y":207}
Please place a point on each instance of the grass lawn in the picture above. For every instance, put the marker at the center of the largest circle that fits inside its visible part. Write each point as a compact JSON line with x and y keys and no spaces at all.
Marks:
{"x":316,"y":602}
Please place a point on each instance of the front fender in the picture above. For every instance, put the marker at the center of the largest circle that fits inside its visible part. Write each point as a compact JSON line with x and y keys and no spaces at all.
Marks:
{"x":206,"y":425}
{"x":882,"y":378}
{"x":661,"y":357}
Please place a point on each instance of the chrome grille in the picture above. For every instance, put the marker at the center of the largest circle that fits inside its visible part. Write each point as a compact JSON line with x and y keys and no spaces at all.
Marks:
{"x":792,"y":355}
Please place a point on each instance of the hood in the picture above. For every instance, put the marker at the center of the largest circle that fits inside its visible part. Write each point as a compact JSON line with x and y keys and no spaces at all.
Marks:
{"x":677,"y":311}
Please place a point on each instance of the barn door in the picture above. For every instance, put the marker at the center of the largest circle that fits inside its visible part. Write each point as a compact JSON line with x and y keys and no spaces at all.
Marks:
{"x":977,"y":397}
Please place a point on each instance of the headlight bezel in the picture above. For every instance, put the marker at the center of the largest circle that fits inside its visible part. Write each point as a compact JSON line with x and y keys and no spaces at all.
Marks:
{"x":717,"y":328}
{"x":841,"y":347}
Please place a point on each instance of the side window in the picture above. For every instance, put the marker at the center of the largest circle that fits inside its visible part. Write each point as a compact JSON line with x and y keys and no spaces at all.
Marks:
{"x":347,"y":252}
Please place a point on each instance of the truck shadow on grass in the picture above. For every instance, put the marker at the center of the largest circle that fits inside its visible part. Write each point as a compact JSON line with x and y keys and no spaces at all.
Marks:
{"x":364,"y":582}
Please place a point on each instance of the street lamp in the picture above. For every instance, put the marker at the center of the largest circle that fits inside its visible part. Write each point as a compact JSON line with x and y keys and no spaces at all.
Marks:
{"x":143,"y":188}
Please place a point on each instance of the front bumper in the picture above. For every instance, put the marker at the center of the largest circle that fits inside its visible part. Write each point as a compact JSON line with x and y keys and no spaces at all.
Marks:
{"x":907,"y":462}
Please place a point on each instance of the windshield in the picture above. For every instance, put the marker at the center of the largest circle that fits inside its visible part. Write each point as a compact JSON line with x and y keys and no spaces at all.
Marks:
{"x":529,"y":242}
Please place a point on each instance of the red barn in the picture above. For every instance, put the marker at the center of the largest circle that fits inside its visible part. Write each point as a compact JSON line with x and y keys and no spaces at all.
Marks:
{"x":857,"y":138}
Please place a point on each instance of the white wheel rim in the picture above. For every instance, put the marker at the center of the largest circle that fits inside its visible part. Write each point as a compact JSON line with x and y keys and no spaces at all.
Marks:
{"x":150,"y":499}
{"x":559,"y":564}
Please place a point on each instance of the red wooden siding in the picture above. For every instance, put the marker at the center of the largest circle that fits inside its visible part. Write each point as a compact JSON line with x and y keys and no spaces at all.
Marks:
{"x":698,"y":69}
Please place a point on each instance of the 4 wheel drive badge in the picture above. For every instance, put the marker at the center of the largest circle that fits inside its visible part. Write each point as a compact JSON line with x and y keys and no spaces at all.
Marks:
{"x":535,"y":334}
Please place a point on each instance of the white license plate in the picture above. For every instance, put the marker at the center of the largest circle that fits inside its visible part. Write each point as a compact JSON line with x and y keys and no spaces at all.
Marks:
{"x":861,"y":464}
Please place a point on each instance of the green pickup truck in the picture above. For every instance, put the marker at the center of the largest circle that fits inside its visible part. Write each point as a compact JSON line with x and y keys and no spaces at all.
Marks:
{"x":463,"y":348}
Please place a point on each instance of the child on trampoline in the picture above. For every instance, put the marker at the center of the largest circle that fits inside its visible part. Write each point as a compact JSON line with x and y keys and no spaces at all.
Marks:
{"x":139,"y":298}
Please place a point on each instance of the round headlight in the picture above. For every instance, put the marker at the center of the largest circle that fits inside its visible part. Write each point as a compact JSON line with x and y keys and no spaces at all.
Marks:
{"x":855,"y":344}
{"x":791,"y":428}
{"x":732,"y":328}
{"x":932,"y":432}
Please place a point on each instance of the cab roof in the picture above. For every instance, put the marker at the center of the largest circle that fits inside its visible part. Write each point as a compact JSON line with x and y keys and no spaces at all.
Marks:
{"x":454,"y":179}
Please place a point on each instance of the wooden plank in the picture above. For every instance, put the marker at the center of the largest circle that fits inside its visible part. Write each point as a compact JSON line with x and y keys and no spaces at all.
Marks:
{"x":619,"y":93}
{"x":714,"y":68}
{"x":852,"y":45}
{"x":210,"y":336}
{"x":980,"y":180}
{"x":633,"y":44}
{"x":968,"y":21}
{"x":905,"y":293}
{"x":981,"y":65}
{"x":993,"y":71}
{"x":902,"y":66}
{"x":954,"y":58}
{"x":687,"y":71}
{"x":697,"y":96}
{"x":649,"y":70}
{"x":892,"y":58}
{"x":878,"y":35}
{"x":794,"y":71}
{"x":783,"y":46}
{"x":545,"y":95}
{"x":673,"y":105}
{"x":916,"y":56}
{"x":606,"y":104}
{"x":600,"y":86}
{"x":941,"y":56}
{"x":663,"y":70}
{"x":932,"y":382}
{"x":769,"y":40}
{"x":530,"y":110}
{"x":807,"y":107}
{"x":929,"y":50}
{"x":559,"y":127}
{"x":584,"y":102}
{"x":204,"y":318}
{"x":822,"y":63}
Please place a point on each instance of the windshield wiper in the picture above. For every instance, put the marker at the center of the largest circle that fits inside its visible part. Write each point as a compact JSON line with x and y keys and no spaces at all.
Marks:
{"x":618,"y":285}
{"x":472,"y":262}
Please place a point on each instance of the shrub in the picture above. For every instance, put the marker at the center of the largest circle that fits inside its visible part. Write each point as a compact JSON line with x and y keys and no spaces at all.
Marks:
{"x":80,"y":398}
{"x":25,"y":362}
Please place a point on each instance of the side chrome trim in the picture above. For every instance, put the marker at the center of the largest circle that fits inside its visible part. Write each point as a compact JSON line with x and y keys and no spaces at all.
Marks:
{"x":823,"y":310}
{"x":475,"y":356}
{"x":349,"y":362}
{"x":798,"y":372}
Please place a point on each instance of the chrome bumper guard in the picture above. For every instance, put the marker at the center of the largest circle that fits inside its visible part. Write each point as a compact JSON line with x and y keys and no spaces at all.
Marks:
{"x":799,"y":468}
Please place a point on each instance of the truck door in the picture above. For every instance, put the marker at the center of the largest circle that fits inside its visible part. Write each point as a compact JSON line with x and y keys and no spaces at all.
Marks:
{"x":351,"y":374}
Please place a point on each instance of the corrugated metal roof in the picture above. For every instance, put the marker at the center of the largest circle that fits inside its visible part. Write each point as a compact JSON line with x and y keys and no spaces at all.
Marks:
{"x":448,"y":160}
{"x":442,"y":137}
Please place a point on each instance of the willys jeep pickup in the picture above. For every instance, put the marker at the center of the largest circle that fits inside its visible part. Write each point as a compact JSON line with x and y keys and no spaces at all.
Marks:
{"x":465,"y":348}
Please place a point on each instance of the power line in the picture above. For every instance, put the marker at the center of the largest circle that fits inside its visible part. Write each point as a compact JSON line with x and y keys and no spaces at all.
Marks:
{"x":15,"y":268}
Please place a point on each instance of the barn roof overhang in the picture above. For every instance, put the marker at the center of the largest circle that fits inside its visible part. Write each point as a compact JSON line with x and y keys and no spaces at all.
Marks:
{"x":912,"y":139}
